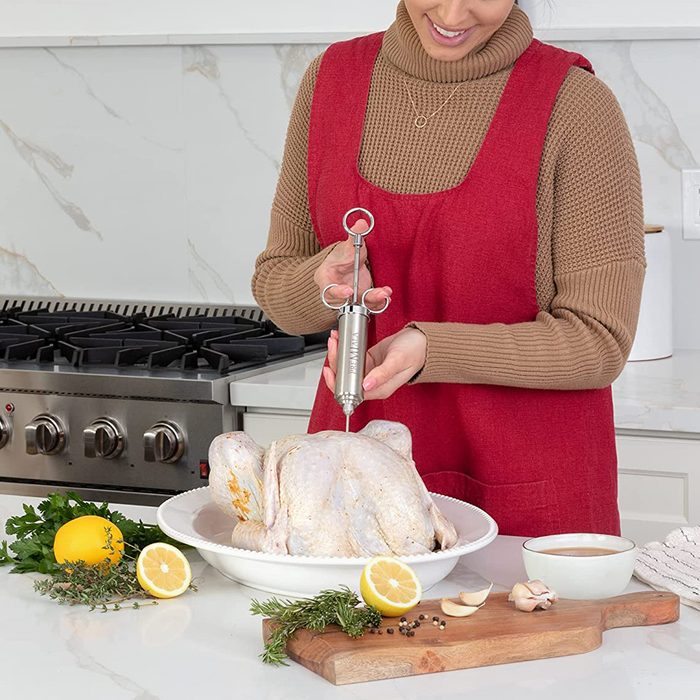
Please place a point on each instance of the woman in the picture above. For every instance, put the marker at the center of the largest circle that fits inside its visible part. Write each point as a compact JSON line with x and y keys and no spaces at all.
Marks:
{"x":508,"y":235}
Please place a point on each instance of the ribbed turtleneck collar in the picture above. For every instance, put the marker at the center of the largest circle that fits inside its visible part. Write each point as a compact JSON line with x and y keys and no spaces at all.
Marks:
{"x":402,"y":48}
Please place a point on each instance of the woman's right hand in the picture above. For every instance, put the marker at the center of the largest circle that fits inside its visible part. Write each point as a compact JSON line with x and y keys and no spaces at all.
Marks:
{"x":337,"y":268}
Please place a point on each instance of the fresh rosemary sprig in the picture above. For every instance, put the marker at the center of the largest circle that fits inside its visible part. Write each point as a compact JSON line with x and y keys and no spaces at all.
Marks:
{"x":329,"y":607}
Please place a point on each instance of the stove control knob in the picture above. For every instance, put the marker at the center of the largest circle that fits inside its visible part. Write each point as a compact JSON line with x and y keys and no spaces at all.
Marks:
{"x":103,"y":438}
{"x":5,"y":431}
{"x":45,"y":435}
{"x":163,"y":442}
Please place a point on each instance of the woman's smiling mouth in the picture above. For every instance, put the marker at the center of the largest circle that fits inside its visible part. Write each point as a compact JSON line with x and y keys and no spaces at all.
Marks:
{"x":448,"y":37}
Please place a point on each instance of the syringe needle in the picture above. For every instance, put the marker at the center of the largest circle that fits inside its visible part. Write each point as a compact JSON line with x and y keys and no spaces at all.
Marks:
{"x":347,"y":423}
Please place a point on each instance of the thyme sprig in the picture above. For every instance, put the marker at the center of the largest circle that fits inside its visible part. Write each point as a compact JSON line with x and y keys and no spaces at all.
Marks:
{"x":105,"y":587}
{"x":329,"y":607}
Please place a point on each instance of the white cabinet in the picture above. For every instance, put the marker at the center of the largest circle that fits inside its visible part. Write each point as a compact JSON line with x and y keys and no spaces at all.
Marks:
{"x":659,"y":485}
{"x":266,"y":425}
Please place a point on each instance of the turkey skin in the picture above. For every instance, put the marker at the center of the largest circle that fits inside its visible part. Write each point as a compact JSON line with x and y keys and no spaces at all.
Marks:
{"x":327,"y":494}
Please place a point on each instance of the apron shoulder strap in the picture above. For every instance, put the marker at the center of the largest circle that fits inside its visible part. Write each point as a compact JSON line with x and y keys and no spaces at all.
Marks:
{"x":516,"y":137}
{"x":337,"y":111}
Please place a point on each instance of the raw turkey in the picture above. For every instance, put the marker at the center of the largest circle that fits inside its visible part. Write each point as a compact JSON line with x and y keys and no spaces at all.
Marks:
{"x":328,"y":494}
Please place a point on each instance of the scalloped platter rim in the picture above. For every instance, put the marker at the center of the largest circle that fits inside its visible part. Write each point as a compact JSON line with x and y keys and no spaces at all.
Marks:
{"x":194,"y":519}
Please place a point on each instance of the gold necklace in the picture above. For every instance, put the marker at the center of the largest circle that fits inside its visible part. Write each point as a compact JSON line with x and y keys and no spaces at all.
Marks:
{"x":421,"y":120}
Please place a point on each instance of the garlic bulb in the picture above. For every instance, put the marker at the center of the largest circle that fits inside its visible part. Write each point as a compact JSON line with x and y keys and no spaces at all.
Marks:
{"x":531,"y":595}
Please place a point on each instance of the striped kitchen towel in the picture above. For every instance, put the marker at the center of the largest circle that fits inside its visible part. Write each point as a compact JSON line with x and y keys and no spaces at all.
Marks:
{"x":673,"y":565}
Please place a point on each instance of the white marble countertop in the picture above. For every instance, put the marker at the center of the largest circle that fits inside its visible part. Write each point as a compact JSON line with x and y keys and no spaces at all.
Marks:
{"x":206,"y":644}
{"x":659,"y":395}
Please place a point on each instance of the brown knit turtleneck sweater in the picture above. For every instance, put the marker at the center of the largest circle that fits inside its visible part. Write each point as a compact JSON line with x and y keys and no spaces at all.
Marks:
{"x":590,"y":258}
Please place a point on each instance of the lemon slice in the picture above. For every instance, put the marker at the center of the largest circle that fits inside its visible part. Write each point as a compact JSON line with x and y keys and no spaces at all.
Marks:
{"x":163,"y":570}
{"x":390,"y":586}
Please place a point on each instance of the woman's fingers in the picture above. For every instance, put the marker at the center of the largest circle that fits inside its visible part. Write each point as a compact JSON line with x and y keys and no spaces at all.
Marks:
{"x":329,"y":378}
{"x":333,"y":351}
{"x":360,"y":226}
{"x":376,"y":299}
{"x":338,"y":295}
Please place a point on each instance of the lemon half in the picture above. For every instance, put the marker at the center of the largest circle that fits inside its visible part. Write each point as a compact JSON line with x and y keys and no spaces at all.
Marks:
{"x":163,"y":570}
{"x":390,"y":586}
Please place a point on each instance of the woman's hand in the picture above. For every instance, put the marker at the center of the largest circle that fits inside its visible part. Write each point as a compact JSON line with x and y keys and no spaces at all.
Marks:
{"x":389,"y":365}
{"x":337,"y":269}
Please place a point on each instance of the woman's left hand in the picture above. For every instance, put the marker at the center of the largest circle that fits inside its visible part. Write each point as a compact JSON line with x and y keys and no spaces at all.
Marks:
{"x":389,"y":365}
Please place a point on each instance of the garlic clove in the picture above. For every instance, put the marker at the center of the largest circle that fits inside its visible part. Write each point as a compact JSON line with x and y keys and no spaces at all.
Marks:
{"x":519,"y":590}
{"x":453,"y":609}
{"x":525,"y":604}
{"x":477,"y":598}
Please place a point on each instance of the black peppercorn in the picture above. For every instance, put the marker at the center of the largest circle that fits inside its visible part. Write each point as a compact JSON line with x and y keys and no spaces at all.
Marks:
{"x":403,"y":619}
{"x":411,"y":633}
{"x":436,"y":618}
{"x":416,"y":624}
{"x":390,"y":630}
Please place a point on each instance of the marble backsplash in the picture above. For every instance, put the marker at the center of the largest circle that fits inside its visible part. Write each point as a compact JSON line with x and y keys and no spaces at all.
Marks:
{"x":148,"y":172}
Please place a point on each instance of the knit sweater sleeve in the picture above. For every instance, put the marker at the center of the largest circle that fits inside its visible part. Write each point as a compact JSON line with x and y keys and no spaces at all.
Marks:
{"x":593,"y":211}
{"x":283,"y":281}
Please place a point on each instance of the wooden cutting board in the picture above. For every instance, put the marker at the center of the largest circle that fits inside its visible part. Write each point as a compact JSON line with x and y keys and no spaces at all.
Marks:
{"x":496,"y":634}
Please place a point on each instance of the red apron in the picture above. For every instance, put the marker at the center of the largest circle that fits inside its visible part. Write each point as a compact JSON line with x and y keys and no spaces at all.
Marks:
{"x":538,"y":461}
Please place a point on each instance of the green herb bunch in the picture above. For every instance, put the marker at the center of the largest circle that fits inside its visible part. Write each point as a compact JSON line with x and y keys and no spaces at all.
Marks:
{"x":36,"y":529}
{"x":330,"y":607}
{"x":106,"y":586}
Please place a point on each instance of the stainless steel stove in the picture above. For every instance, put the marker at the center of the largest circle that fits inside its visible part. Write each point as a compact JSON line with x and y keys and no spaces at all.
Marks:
{"x":120,"y":400}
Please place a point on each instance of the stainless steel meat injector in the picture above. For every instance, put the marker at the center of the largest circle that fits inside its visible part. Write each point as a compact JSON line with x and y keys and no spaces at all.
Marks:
{"x":353,"y":317}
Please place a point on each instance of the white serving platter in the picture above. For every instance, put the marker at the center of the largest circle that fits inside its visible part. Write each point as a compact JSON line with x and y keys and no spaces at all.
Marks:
{"x":194,"y":519}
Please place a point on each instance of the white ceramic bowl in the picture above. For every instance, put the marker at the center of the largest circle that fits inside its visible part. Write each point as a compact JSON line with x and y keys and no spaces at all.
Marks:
{"x":194,"y":519}
{"x":580,"y":577}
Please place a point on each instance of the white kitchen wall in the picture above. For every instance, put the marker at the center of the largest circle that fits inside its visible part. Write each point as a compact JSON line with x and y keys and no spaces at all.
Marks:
{"x":148,"y":172}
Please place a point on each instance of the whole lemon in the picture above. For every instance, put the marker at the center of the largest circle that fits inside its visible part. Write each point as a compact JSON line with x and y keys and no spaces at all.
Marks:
{"x":85,"y":539}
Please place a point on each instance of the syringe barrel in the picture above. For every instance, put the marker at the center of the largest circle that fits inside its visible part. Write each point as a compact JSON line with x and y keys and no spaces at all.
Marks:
{"x":352,"y":348}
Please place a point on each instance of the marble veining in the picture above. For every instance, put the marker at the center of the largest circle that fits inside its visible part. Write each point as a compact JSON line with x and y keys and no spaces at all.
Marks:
{"x":17,"y":271}
{"x":207,"y":272}
{"x":203,"y":60}
{"x":75,"y":645}
{"x":63,"y":62}
{"x":650,"y":119}
{"x":33,"y":155}
{"x":294,"y":60}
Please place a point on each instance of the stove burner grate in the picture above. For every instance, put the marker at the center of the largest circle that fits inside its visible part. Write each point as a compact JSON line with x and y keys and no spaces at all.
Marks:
{"x":82,"y":339}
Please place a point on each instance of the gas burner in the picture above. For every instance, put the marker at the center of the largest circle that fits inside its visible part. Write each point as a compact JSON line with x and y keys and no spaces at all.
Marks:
{"x":18,"y":342}
{"x":126,"y":349}
{"x":57,"y":325}
{"x":223,"y":343}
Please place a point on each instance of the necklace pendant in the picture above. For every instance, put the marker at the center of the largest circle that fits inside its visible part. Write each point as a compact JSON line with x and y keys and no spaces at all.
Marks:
{"x":420,"y":121}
